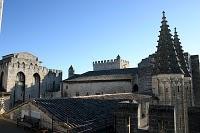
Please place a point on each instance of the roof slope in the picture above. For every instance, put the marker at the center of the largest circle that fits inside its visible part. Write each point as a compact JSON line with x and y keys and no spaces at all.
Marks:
{"x":130,"y":71}
{"x":81,"y":114}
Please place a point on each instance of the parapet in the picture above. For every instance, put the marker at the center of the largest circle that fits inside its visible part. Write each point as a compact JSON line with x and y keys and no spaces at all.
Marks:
{"x":105,"y":61}
{"x":55,"y":71}
{"x":117,"y":63}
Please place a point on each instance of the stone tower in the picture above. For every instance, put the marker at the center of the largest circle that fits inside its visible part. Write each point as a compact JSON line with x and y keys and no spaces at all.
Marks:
{"x":70,"y":71}
{"x":24,"y":78}
{"x":116,"y":63}
{"x":171,"y":81}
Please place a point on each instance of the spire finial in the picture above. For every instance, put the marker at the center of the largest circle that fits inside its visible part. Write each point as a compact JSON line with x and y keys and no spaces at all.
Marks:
{"x":175,"y":32}
{"x":163,"y":13}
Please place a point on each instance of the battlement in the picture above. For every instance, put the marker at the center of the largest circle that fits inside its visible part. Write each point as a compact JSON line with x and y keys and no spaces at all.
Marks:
{"x":55,"y":71}
{"x":117,"y":63}
{"x":110,"y":61}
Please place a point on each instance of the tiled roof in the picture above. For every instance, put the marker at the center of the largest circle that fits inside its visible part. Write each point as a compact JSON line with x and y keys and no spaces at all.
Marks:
{"x":81,"y":114}
{"x":130,"y":71}
{"x":118,"y":96}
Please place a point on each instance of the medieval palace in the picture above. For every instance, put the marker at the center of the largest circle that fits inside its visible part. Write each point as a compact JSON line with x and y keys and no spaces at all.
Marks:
{"x":161,"y":95}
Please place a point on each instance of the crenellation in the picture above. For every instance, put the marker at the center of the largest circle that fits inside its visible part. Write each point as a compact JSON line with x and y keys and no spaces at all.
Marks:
{"x":110,"y":64}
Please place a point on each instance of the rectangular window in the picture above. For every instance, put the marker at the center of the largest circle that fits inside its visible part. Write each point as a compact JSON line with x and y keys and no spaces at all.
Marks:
{"x":77,"y":93}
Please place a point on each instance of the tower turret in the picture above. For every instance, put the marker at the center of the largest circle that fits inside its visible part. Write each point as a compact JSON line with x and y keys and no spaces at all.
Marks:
{"x":70,"y":71}
{"x":168,"y":82}
{"x":167,"y":61}
{"x":179,"y":51}
{"x":118,"y":57}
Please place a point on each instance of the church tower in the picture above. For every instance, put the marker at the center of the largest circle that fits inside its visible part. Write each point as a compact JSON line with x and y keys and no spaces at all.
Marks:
{"x":70,"y":71}
{"x":170,"y":74}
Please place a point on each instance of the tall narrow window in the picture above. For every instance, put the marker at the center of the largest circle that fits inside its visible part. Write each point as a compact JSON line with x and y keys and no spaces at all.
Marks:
{"x":20,"y":87}
{"x":37,"y":83}
{"x":23,"y":65}
{"x":18,"y":64}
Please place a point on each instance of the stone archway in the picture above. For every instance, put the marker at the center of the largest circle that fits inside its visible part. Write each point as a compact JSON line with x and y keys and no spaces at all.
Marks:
{"x":1,"y":82}
{"x":19,"y":95}
{"x":37,"y":83}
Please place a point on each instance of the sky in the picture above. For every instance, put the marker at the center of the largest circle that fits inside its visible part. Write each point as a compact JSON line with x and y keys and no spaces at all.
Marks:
{"x":77,"y":32}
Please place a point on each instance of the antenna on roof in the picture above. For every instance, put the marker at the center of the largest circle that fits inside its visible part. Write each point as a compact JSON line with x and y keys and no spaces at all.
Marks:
{"x":1,"y":13}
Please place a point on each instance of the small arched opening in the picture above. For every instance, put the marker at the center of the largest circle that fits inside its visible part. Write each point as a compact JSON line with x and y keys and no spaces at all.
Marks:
{"x":18,"y":64}
{"x":23,"y":65}
{"x":37,"y":83}
{"x":135,"y":88}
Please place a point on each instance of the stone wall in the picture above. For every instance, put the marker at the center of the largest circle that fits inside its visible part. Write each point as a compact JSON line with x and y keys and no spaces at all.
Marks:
{"x":196,"y":78}
{"x":173,"y":89}
{"x":96,"y":88}
{"x":96,"y":85}
{"x":161,"y":119}
{"x":28,"y":109}
{"x":194,"y":119}
{"x":28,"y":65}
{"x":110,"y":64}
{"x":126,"y":120}
{"x":145,"y":70}
{"x":4,"y":102}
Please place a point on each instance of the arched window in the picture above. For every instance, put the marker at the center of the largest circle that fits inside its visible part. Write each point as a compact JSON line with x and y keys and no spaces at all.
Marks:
{"x":36,"y":78}
{"x":31,"y":66}
{"x":23,"y":65}
{"x":20,"y":77}
{"x":1,"y":81}
{"x":20,"y":86}
{"x":18,"y":64}
{"x":36,"y":66}
{"x":37,"y":83}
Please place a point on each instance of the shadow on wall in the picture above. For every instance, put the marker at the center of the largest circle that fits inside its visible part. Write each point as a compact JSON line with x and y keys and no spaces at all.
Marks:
{"x":2,"y":89}
{"x":46,"y":88}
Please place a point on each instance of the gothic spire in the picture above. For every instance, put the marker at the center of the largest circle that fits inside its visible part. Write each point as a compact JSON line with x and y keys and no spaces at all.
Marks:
{"x":179,"y":51}
{"x":118,"y":57}
{"x":167,"y":61}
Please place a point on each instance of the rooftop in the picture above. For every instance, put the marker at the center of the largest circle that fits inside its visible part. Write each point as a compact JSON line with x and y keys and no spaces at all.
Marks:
{"x":79,"y":114}
{"x":129,"y":71}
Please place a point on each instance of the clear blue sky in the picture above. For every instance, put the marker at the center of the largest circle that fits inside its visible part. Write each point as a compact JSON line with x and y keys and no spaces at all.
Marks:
{"x":78,"y":32}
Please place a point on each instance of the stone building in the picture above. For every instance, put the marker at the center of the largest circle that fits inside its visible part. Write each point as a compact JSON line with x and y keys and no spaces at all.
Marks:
{"x":108,"y":77}
{"x":117,"y":63}
{"x":95,"y":114}
{"x":145,"y":72}
{"x":171,"y":81}
{"x":100,"y":82}
{"x":23,"y":77}
{"x":111,"y":98}
{"x":174,"y":78}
